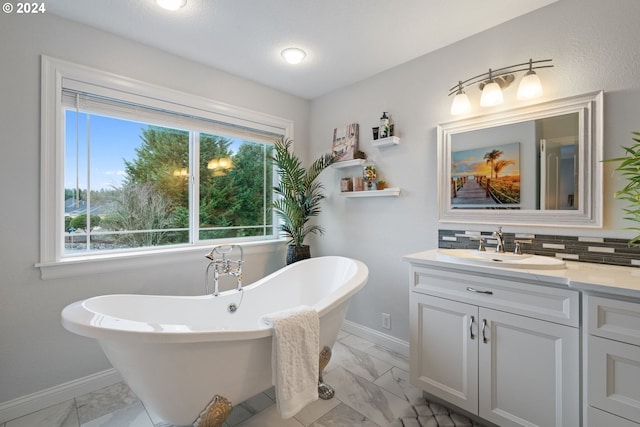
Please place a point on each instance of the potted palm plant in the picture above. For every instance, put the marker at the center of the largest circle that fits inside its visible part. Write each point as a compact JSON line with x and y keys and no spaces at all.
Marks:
{"x":299,"y":197}
{"x":629,"y":167}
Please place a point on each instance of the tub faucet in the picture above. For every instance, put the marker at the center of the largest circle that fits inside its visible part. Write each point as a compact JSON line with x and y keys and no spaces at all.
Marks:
{"x":499,"y":236}
{"x":222,"y":266}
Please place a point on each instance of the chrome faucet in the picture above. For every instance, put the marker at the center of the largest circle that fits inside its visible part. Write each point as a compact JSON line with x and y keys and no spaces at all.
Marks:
{"x":481,"y":241}
{"x":222,"y":266}
{"x":499,"y":236}
{"x":518,"y":249}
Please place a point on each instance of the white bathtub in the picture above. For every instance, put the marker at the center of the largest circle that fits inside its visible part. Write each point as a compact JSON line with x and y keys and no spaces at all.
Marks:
{"x":177,"y":352}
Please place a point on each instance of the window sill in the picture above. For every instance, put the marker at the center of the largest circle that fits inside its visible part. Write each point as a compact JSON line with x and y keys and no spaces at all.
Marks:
{"x":101,"y":263}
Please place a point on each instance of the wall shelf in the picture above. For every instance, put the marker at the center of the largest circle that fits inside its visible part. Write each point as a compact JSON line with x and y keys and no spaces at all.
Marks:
{"x":348,"y":163}
{"x":385,"y":142}
{"x":387,"y":192}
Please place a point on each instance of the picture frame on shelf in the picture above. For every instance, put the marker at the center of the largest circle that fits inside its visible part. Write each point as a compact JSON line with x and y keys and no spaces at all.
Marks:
{"x":345,"y":142}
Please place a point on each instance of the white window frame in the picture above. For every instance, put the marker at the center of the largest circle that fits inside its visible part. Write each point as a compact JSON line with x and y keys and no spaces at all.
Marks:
{"x":53,"y":263}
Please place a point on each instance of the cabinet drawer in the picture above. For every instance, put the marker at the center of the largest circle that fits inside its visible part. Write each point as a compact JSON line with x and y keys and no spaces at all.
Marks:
{"x":613,"y":370}
{"x":514,"y":296}
{"x":598,"y":418}
{"x":611,"y":318}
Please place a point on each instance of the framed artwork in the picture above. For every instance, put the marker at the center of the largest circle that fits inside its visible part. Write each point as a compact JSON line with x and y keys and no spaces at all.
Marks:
{"x":345,"y":142}
{"x":487,"y":177}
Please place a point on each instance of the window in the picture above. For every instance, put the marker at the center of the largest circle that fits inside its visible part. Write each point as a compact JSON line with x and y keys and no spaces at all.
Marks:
{"x":128,"y":166}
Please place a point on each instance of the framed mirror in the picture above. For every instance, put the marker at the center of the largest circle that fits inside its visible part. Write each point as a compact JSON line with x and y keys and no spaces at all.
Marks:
{"x":534,"y":165}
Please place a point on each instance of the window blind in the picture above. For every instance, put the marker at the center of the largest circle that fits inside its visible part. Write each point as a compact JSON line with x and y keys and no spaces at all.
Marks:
{"x":99,"y":100}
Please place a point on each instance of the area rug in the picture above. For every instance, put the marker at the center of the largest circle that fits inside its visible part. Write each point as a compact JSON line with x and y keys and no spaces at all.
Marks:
{"x":431,"y":414}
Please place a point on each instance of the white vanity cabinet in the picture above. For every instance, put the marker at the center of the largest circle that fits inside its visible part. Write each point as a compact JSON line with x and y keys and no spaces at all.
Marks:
{"x":612,"y":361}
{"x":507,"y":350}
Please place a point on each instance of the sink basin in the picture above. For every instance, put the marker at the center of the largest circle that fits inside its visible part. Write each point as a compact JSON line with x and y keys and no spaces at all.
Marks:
{"x":503,"y":260}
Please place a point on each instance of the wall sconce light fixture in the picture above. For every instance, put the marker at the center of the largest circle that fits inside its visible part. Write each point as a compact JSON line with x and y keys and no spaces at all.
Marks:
{"x":461,"y":103}
{"x":183,"y":172}
{"x":493,"y":82}
{"x":220,"y":166}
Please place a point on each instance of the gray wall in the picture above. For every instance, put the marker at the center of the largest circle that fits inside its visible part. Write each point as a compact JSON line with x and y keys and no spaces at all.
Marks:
{"x":35,"y":351}
{"x":593,"y":45}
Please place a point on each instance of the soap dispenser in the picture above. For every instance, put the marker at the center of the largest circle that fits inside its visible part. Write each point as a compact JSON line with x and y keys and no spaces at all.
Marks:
{"x":385,"y":125}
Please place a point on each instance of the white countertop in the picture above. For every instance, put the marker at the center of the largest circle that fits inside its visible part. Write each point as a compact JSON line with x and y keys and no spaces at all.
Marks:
{"x":609,"y":279}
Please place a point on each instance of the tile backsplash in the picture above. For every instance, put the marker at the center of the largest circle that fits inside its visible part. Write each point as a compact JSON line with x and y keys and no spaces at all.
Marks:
{"x":599,"y":250}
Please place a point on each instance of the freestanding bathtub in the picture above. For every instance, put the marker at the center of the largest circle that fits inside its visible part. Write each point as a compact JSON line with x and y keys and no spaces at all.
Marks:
{"x":177,"y":352}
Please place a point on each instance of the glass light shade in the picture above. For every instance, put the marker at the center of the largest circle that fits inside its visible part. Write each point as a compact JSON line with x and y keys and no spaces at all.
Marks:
{"x":171,"y":4}
{"x":460,"y":104}
{"x":293,"y":55}
{"x":530,"y":86}
{"x":225,"y":163}
{"x":222,"y":163}
{"x":491,"y":95}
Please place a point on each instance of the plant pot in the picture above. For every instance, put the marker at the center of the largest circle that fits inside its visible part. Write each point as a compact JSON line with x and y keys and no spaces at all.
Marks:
{"x":297,"y":253}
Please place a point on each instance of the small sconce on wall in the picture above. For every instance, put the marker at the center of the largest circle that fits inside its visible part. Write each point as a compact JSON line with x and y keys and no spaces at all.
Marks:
{"x":493,"y":82}
{"x":181,"y":173}
{"x":220,"y":166}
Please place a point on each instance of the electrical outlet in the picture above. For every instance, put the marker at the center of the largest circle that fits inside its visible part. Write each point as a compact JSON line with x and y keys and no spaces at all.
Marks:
{"x":386,"y":320}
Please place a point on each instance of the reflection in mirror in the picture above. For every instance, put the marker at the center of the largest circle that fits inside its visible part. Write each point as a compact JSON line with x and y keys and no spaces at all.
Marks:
{"x":558,"y":162}
{"x":526,"y":165}
{"x":534,"y":165}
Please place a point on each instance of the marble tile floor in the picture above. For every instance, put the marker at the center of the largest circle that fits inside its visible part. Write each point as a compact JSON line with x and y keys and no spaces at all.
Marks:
{"x":372,"y":390}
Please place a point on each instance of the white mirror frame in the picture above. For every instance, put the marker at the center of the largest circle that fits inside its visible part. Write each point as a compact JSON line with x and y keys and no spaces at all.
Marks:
{"x":589,"y":212}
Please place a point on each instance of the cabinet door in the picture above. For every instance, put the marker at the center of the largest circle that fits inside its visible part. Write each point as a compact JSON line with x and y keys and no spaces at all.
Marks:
{"x":613,"y":370}
{"x":444,"y":349}
{"x":528,"y":371}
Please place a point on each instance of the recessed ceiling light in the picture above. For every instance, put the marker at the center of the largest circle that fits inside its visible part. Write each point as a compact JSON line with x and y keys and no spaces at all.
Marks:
{"x":293,"y":55}
{"x":171,"y":4}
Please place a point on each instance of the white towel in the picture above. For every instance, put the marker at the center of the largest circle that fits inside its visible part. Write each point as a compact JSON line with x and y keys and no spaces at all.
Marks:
{"x":295,"y":357}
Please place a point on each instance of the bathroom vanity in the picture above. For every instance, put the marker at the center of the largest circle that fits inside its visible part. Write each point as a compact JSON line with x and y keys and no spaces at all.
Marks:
{"x":522,"y":346}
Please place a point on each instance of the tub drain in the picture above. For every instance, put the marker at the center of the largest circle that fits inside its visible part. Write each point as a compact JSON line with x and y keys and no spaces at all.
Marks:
{"x":232,"y":308}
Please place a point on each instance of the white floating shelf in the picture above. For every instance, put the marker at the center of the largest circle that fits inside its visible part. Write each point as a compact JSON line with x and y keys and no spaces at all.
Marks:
{"x":387,"y":192}
{"x":384,"y":142}
{"x":348,"y":163}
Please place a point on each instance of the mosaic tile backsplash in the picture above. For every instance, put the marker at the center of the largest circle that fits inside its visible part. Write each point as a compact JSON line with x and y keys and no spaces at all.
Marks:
{"x":599,"y":250}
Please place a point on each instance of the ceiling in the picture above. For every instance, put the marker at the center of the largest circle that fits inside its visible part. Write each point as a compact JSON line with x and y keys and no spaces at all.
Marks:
{"x":345,"y":40}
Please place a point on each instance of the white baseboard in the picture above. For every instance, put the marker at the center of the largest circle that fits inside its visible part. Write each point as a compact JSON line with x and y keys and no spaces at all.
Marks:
{"x":43,"y":399}
{"x":377,"y":337}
